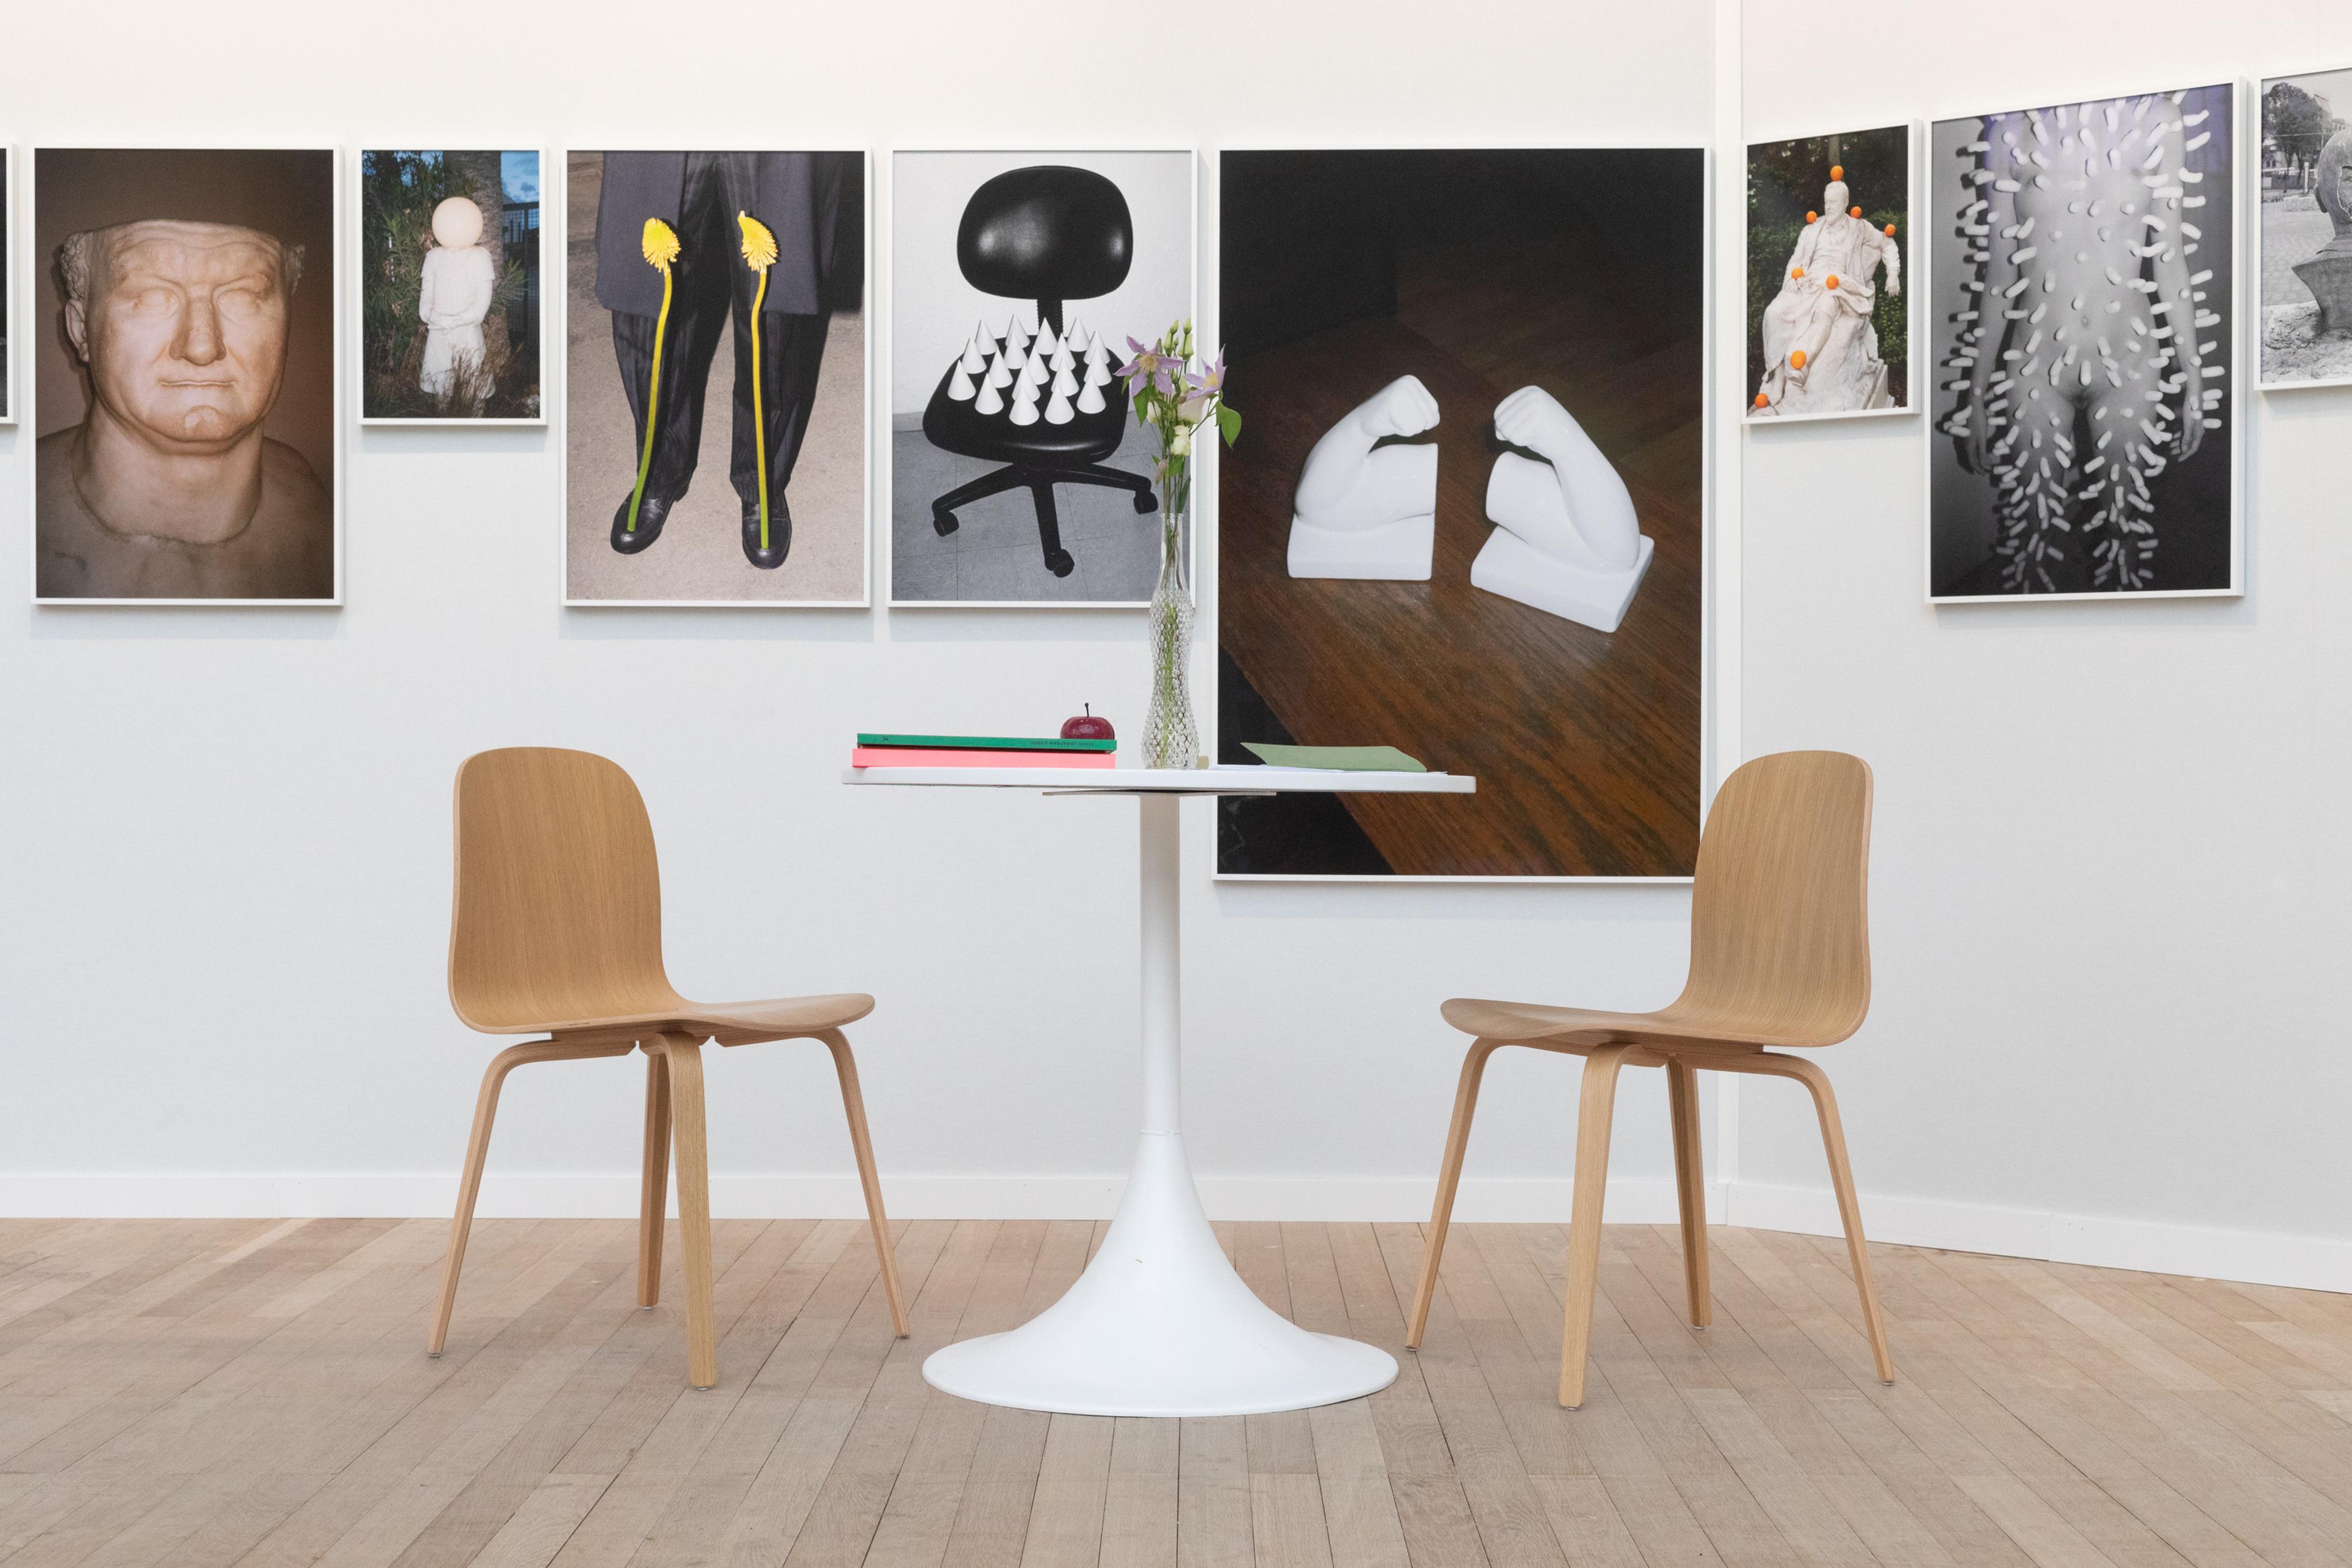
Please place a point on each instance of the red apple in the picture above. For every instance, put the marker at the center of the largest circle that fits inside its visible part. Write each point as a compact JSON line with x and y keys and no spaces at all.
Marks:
{"x":1087,"y":726}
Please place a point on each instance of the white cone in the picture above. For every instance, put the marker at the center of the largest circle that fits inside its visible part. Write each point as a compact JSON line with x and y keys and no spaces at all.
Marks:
{"x":1097,"y":374}
{"x":1090,"y":401}
{"x":1073,"y":336}
{"x":991,"y":400}
{"x":1015,"y":355}
{"x":960,"y":385}
{"x":1000,"y":374}
{"x":1096,"y":353}
{"x":1015,"y":334}
{"x":1034,"y":373}
{"x":1046,"y":341}
{"x":1058,"y":411}
{"x":1064,"y":359}
{"x":975,"y":360}
{"x":1064,"y":383}
{"x":1024,"y":406}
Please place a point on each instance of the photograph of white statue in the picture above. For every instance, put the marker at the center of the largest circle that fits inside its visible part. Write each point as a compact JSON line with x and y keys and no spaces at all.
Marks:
{"x":1829,"y":219}
{"x":2083,"y":331}
{"x":2305,"y":234}
{"x":451,"y":312}
{"x":187,"y":403}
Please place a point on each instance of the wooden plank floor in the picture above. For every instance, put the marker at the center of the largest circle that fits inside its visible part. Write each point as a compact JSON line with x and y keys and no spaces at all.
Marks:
{"x":256,"y":1392}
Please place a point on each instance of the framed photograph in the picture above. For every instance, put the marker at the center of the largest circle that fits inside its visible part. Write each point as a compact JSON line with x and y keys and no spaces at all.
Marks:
{"x":452,"y":320}
{"x":1829,"y":247}
{"x":7,"y":287}
{"x":691,"y":477}
{"x":1466,"y":514}
{"x":1018,"y":474}
{"x":2303,"y":240}
{"x":2084,"y":334}
{"x":188,"y":399}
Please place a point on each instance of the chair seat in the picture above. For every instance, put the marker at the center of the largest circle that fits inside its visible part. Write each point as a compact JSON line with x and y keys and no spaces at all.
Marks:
{"x":956,"y":425}
{"x":1527,"y":1022}
{"x":737,"y":1023}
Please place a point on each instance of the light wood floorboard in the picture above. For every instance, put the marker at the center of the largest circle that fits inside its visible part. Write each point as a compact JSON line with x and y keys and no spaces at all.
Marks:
{"x":219,"y":1393}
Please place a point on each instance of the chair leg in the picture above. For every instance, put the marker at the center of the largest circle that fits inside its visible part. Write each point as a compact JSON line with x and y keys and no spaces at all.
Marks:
{"x":1597,"y":1107}
{"x":693,"y":1155}
{"x":1449,"y":1177}
{"x":653,"y":1196}
{"x":1049,"y":527}
{"x":853,"y":1102}
{"x":1849,"y":1207}
{"x":1690,"y":1187}
{"x":477,"y":1148}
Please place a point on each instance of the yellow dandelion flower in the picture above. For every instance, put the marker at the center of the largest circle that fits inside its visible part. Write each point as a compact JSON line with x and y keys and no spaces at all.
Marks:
{"x":661,"y":248}
{"x":759,"y":254}
{"x":759,"y":245}
{"x":660,"y":244}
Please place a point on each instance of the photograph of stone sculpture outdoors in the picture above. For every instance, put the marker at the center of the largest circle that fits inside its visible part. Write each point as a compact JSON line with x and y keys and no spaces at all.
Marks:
{"x":186,"y":358}
{"x":2305,"y":235}
{"x":697,"y":476}
{"x":2083,"y":333}
{"x":1829,"y":231}
{"x":1465,"y":515}
{"x":449,"y":296}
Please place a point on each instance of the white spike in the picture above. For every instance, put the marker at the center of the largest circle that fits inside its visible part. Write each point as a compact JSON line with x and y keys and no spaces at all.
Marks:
{"x":1046,"y":341}
{"x":1090,"y":401}
{"x":1000,"y":374}
{"x":1035,"y":370}
{"x":991,"y":400}
{"x":1063,"y":358}
{"x":1058,"y":412}
{"x":1064,"y":383}
{"x":1016,"y":353}
{"x":1024,"y":406}
{"x":960,"y":385}
{"x":975,"y":360}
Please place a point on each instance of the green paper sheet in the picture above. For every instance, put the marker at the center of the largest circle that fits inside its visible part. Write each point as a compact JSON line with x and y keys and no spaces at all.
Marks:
{"x":1335,"y":758}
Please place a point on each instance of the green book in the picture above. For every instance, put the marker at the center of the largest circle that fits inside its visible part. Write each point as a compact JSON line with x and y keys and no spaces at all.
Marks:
{"x":1335,"y":758}
{"x":988,"y":743}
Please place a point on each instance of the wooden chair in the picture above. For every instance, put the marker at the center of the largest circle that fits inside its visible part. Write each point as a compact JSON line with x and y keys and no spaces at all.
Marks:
{"x":1779,"y":957}
{"x":557,"y":932}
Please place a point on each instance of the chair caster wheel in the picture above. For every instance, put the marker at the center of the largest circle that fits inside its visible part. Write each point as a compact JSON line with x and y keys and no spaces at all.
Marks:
{"x":1059,"y":563}
{"x":1146,"y":501}
{"x":943,"y":523}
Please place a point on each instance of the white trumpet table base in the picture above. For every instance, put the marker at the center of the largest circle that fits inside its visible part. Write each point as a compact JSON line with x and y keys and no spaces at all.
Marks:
{"x":1510,"y":566}
{"x":1397,"y":552}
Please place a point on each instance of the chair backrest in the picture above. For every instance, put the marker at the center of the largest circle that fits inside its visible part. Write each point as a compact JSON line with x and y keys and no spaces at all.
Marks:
{"x":1780,"y":911}
{"x":1047,"y":233}
{"x":558,"y":908}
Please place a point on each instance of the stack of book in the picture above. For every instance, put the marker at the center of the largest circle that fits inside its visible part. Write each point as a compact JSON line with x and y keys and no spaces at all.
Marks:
{"x":979,"y":752}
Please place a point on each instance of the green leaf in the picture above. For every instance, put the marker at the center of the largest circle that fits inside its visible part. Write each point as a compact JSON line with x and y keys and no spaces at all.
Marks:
{"x":1229,"y":421}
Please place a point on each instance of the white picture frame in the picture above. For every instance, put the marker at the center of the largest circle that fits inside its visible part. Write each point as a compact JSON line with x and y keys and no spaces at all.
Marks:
{"x":1913,"y":273}
{"x":338,"y":484}
{"x":558,"y":401}
{"x":2257,"y":89}
{"x":549,"y":273}
{"x":2233,"y":372}
{"x":1029,"y":153}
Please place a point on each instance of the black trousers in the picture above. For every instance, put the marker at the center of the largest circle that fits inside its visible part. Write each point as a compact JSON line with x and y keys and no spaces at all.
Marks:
{"x":710,"y":285}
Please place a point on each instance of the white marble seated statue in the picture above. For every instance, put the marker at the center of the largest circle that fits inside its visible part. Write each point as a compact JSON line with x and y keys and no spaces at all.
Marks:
{"x":1365,"y":510}
{"x":1567,"y":539}
{"x":456,"y":296}
{"x":1821,"y":350}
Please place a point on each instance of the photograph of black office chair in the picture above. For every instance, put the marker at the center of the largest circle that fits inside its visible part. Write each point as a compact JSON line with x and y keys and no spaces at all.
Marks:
{"x":1051,"y":234}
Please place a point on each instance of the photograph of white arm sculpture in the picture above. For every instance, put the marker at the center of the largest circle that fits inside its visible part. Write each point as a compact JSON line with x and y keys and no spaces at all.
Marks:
{"x":1364,"y":509}
{"x":1566,"y":541}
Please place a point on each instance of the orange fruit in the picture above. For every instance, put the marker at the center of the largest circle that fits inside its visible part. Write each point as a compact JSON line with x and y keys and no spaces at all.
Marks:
{"x":1890,"y":231}
{"x":1762,"y":401}
{"x":1797,"y":359}
{"x":1837,"y":171}
{"x":1795,"y":272}
{"x":1830,"y":282}
{"x":1812,"y":217}
{"x":1854,"y":212}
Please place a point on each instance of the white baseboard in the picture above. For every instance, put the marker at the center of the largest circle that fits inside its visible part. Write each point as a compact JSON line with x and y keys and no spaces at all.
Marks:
{"x":2317,"y":1263}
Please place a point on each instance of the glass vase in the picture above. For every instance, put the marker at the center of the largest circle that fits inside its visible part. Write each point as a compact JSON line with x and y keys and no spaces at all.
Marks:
{"x":1171,"y":739}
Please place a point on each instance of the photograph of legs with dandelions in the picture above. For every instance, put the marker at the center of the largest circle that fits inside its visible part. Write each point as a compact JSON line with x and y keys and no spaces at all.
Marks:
{"x":450,"y":324}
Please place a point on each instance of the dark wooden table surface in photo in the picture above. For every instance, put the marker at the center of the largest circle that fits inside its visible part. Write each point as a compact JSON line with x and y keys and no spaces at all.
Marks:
{"x":1586,"y":746}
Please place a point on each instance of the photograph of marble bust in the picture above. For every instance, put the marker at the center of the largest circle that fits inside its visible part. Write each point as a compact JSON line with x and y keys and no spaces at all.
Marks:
{"x":2084,"y":332}
{"x":187,"y":404}
{"x":1828,"y":225}
{"x":450,"y":309}
{"x":673,"y":254}
{"x":2304,"y":238}
{"x":1465,"y":516}
{"x":1018,"y":279}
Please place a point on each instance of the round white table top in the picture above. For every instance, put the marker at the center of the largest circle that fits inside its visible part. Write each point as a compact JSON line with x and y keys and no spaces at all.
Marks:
{"x":1235,"y":780}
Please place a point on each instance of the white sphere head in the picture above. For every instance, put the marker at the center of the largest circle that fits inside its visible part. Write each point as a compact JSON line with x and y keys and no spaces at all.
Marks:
{"x":458,"y":222}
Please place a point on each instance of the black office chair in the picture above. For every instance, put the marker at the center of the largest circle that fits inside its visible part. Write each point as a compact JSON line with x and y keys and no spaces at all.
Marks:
{"x":1049,"y":234}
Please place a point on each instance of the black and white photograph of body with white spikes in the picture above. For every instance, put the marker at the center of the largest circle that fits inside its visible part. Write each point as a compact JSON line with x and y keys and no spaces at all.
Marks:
{"x":2083,"y":336}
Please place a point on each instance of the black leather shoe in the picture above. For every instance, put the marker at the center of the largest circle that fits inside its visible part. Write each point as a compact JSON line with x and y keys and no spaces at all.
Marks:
{"x":780,"y":533}
{"x":651,"y":514}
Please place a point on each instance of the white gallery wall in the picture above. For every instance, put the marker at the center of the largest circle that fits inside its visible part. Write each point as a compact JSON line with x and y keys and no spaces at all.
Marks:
{"x":2108,"y":902}
{"x":224,"y":856}
{"x":2109,"y":861}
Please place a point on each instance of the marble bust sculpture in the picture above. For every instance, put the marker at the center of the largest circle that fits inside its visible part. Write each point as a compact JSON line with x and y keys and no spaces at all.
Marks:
{"x":454,"y":296}
{"x":2329,"y":273}
{"x":168,"y":487}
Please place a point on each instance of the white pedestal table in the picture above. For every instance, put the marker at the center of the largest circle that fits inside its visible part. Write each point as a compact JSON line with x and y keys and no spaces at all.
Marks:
{"x":1159,"y":1323}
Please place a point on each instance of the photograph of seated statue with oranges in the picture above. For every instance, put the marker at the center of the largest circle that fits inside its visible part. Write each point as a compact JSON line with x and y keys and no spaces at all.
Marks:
{"x":1829,"y":227}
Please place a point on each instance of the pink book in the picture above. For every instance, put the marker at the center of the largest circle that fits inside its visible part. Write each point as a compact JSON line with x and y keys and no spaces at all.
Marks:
{"x":939,"y":757}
